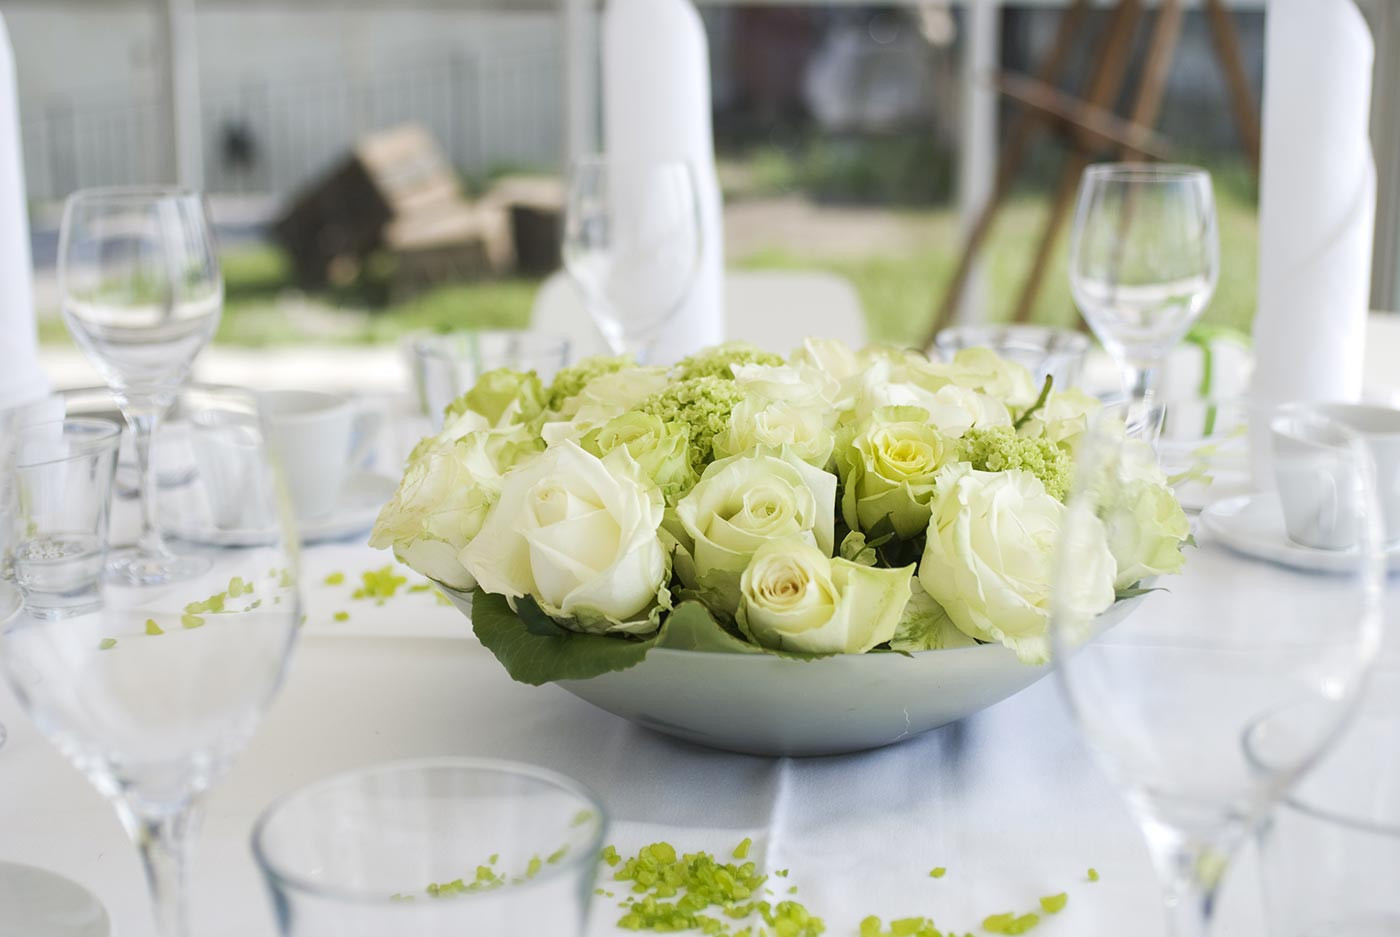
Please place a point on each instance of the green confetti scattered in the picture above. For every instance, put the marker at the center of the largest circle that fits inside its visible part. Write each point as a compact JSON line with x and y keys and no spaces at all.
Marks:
{"x":398,"y":897}
{"x":557,"y":855}
{"x":610,"y":856}
{"x":1093,"y":874}
{"x":494,"y":858}
{"x":341,"y":616}
{"x":1054,"y":904}
{"x":420,"y":587}
{"x":106,"y":644}
{"x":334,"y":579}
{"x":152,"y":628}
{"x":215,"y":603}
{"x":191,"y":621}
{"x":284,"y":579}
{"x":533,"y":867}
{"x":582,"y":817}
{"x":237,"y":587}
{"x":379,"y":584}
{"x":937,"y":872}
{"x":741,"y":851}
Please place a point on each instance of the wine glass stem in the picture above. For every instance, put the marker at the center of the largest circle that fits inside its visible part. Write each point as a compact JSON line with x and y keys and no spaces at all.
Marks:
{"x":1140,"y":382}
{"x":144,"y":422}
{"x":163,"y":842}
{"x":1191,"y":871}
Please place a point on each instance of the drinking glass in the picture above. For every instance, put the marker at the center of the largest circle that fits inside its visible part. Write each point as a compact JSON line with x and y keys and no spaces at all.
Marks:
{"x":447,"y":366}
{"x":1044,"y":351}
{"x":1144,"y":261}
{"x":63,"y":488}
{"x":432,"y":848}
{"x":1166,"y":696}
{"x":632,"y":243}
{"x":142,"y":294}
{"x":152,"y":693}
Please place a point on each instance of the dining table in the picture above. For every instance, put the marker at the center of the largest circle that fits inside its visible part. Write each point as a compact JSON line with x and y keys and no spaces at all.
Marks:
{"x":1009,"y":802}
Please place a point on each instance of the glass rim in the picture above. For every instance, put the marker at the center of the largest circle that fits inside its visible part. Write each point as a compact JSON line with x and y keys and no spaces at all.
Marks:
{"x":1068,"y":339}
{"x":432,"y":345}
{"x":101,"y":433}
{"x":1146,"y":170}
{"x":133,"y":193}
{"x":498,"y":766}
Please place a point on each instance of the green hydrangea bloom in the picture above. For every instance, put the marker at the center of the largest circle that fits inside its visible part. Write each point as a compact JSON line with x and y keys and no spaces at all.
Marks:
{"x":569,"y":381}
{"x":717,"y":361}
{"x":703,"y":404}
{"x":503,"y":396}
{"x":999,"y":449}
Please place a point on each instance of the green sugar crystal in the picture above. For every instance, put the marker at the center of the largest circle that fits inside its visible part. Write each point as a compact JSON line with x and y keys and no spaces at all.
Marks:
{"x":106,"y":644}
{"x":152,"y":628}
{"x":741,"y":851}
{"x":1054,"y":904}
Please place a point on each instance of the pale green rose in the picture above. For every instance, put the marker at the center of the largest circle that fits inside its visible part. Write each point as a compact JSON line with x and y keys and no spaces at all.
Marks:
{"x":833,"y":358}
{"x":951,"y":408}
{"x":579,"y":535}
{"x":443,"y":498}
{"x":925,"y":626}
{"x":758,"y":424}
{"x":889,"y":468}
{"x":503,"y":396}
{"x":744,"y":501}
{"x":1146,"y":529}
{"x":803,"y":387}
{"x":662,"y":450}
{"x":1063,"y":419}
{"x":979,"y":369}
{"x":604,"y":397}
{"x":456,"y":426}
{"x":990,"y":557}
{"x":795,"y":598}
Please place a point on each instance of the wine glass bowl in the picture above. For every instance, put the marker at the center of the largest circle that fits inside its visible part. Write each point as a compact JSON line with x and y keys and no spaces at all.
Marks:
{"x":1166,"y":697}
{"x":633,"y":243}
{"x":1144,"y":261}
{"x":141,"y":294}
{"x":153,"y":688}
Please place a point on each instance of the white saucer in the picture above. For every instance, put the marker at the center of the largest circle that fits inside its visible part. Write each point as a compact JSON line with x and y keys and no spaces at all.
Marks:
{"x":38,"y":903}
{"x":361,"y":497}
{"x":1253,"y":525}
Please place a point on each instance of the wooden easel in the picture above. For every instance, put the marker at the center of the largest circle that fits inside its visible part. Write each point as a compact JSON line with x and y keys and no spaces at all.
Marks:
{"x":1088,"y":125}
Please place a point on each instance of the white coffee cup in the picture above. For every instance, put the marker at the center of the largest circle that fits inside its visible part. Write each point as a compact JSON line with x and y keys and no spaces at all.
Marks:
{"x":1315,"y":467}
{"x":320,"y":438}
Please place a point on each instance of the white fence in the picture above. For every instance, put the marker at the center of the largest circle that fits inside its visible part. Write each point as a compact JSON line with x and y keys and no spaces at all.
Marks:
{"x":487,"y":111}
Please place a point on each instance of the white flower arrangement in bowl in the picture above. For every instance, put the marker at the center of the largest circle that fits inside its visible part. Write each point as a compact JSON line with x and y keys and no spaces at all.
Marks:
{"x":808,"y":555}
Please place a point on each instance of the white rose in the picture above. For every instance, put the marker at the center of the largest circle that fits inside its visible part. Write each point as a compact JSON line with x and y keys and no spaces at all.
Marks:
{"x":803,"y":387}
{"x":742,"y":502}
{"x":1064,"y":418}
{"x":797,"y":599}
{"x":579,"y":535}
{"x":1145,"y":532}
{"x":955,"y":410}
{"x":601,"y":399}
{"x":443,"y":498}
{"x":755,"y":423}
{"x":979,"y":369}
{"x":833,"y":358}
{"x":990,"y":556}
{"x":456,"y":426}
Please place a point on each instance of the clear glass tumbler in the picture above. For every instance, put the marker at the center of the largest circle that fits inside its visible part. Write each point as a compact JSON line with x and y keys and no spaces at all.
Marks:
{"x":432,"y":848}
{"x":63,"y":490}
{"x":447,"y":366}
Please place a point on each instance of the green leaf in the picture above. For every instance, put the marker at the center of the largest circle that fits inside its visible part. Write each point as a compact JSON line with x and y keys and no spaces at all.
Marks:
{"x":1134,"y":591}
{"x":534,"y":618}
{"x":538,"y":659}
{"x":691,"y":627}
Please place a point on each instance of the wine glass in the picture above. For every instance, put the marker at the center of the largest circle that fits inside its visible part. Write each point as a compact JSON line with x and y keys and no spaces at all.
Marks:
{"x":1167,"y":696}
{"x":142,"y":294}
{"x":1144,"y":262}
{"x":632,"y":243}
{"x":153,"y":693}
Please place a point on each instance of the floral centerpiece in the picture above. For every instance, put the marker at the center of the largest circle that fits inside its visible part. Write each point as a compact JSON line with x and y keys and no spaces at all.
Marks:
{"x":834,"y":502}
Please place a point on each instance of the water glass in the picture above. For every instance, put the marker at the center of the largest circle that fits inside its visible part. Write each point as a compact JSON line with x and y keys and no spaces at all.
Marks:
{"x":447,"y":366}
{"x":633,"y":241}
{"x":1144,"y":262}
{"x":62,"y":497}
{"x":1331,"y":853}
{"x":432,"y":848}
{"x":1042,"y":350}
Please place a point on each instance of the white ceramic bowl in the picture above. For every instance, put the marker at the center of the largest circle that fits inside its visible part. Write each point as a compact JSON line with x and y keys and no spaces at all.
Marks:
{"x":765,"y":705}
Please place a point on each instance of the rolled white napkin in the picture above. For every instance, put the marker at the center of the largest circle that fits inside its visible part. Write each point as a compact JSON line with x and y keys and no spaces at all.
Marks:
{"x":21,"y":380}
{"x":656,"y":93}
{"x":1317,"y":203}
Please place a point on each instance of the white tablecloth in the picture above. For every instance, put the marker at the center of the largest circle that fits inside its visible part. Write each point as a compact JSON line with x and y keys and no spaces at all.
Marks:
{"x":1008,"y":801}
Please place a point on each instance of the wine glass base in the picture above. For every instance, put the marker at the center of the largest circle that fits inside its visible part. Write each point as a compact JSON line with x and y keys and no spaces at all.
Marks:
{"x":39,"y":903}
{"x":132,"y":567}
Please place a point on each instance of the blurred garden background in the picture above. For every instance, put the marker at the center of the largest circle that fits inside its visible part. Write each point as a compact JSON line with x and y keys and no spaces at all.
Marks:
{"x":837,"y":129}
